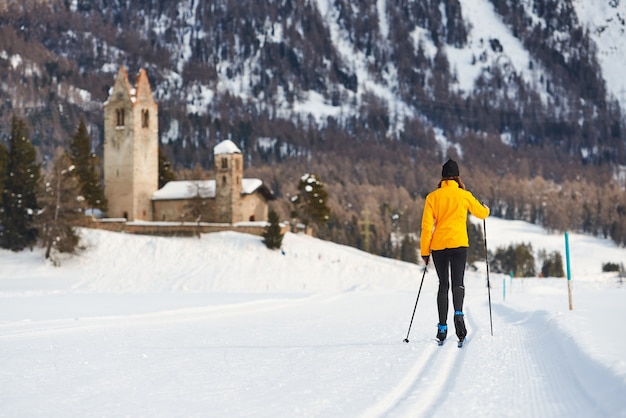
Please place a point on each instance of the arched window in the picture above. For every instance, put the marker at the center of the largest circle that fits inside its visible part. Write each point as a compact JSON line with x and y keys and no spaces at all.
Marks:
{"x":119,"y":113}
{"x":145,"y":118}
{"x":224,"y":180}
{"x":224,"y":163}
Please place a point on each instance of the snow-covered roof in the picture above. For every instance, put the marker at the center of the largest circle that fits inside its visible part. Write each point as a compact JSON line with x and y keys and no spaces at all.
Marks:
{"x":187,"y":189}
{"x":226,"y":147}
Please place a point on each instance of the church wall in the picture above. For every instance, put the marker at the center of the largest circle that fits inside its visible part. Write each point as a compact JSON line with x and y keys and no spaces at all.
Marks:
{"x":253,"y":208}
{"x":177,"y":210}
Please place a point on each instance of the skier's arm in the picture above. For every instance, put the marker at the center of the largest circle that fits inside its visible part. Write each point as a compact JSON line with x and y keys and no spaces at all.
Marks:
{"x":478,"y":209}
{"x":428,"y":222}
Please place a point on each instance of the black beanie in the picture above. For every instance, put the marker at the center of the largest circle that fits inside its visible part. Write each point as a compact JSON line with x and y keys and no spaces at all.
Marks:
{"x":450,"y":169}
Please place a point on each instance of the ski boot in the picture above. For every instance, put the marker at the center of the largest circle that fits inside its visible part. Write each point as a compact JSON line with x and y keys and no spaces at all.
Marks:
{"x":459,"y":325}
{"x":442,"y":332}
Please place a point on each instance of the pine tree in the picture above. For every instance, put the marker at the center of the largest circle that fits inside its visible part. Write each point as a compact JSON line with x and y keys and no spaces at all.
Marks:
{"x":4,"y":161}
{"x":87,"y":164}
{"x":272,"y":236}
{"x":166,"y":174}
{"x":553,"y":265}
{"x":476,"y":251}
{"x":19,"y":201}
{"x":408,"y":251}
{"x":61,"y":208}
{"x":312,"y":200}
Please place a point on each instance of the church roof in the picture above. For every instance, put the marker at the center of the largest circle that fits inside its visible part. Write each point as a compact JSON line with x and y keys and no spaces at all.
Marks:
{"x":226,"y":147}
{"x":188,"y":189}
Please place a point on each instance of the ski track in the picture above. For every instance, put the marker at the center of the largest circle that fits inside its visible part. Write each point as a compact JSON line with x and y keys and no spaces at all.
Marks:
{"x":550,"y":374}
{"x":528,"y":364}
{"x":431,"y":383}
{"x":57,"y":326}
{"x":428,"y":382}
{"x":521,"y":365}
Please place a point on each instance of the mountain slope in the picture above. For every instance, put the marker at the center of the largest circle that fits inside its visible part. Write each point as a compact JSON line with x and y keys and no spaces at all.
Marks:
{"x":371,"y":96}
{"x":493,"y":67}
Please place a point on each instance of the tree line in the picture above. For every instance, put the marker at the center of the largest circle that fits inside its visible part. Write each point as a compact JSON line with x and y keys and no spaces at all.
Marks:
{"x":361,"y":207}
{"x":43,"y":202}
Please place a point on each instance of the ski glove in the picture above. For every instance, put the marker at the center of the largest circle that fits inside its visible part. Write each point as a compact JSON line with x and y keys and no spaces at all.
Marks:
{"x":426,"y":258}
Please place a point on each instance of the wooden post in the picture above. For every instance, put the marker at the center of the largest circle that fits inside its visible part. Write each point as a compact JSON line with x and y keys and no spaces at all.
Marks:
{"x":569,"y":275}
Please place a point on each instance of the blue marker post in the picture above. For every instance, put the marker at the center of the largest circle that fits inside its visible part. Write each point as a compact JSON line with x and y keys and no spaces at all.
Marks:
{"x":569,"y":275}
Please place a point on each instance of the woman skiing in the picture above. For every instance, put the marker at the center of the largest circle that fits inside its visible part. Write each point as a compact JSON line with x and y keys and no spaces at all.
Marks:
{"x":444,"y":235}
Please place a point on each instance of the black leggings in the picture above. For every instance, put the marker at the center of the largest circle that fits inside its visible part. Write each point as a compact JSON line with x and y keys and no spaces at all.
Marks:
{"x":450,"y":260}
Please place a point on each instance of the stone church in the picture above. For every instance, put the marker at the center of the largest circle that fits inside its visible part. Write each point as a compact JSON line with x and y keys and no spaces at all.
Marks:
{"x":131,"y":168}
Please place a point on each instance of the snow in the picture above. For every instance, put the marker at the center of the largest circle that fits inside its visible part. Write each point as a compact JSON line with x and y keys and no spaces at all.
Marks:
{"x":605,"y":21}
{"x":486,"y":25}
{"x":16,"y":61}
{"x":187,"y":189}
{"x":607,"y":25}
{"x":226,"y":147}
{"x":357,"y":63}
{"x":313,"y":103}
{"x":222,"y":326}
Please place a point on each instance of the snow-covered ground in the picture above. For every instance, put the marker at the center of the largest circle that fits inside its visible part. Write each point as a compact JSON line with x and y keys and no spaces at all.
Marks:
{"x":220,"y":326}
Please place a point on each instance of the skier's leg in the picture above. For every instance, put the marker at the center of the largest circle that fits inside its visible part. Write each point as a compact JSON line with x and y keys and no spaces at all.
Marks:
{"x":458,"y":258}
{"x":441,"y":262}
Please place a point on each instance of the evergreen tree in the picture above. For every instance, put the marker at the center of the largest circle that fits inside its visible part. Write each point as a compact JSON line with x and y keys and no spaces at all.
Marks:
{"x":166,"y":174}
{"x":272,"y":235}
{"x":4,"y":161}
{"x":19,"y":200}
{"x":517,"y":259}
{"x":61,"y":205}
{"x":87,"y":164}
{"x":312,"y":200}
{"x":553,"y":265}
{"x":476,"y":251}
{"x":408,"y":249}
{"x":524,"y":260}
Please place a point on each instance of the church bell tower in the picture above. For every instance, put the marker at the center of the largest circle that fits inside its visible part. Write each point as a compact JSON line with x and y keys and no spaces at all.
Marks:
{"x":131,"y":162}
{"x":228,"y":181}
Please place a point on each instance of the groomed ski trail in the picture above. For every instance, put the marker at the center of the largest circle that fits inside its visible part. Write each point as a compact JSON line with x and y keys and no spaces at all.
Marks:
{"x":425,"y":384}
{"x":332,"y":354}
{"x":529,"y":364}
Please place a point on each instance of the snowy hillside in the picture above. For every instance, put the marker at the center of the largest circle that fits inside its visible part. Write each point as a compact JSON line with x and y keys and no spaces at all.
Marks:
{"x":221,"y":326}
{"x":606,"y":22}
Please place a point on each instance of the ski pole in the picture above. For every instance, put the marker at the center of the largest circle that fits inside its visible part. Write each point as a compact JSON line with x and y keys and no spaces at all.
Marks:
{"x":406,"y":340}
{"x":488,"y":284}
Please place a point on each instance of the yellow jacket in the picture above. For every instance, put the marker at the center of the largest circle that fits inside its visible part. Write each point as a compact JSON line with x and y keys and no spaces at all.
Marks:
{"x":444,"y":222}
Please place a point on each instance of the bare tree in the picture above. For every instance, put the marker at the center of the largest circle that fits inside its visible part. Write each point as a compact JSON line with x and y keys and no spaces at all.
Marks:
{"x":198,"y":209}
{"x":61,"y":208}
